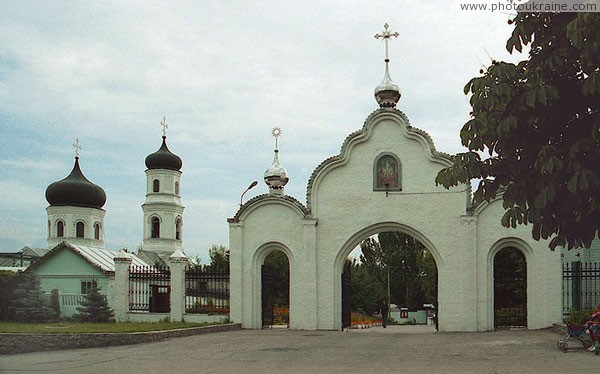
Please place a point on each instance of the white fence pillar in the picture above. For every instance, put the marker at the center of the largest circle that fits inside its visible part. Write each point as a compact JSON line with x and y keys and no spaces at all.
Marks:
{"x":177,"y":263}
{"x":121,"y":306}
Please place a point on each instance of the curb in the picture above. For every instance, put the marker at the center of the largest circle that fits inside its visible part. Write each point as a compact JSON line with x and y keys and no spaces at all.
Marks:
{"x":23,"y":343}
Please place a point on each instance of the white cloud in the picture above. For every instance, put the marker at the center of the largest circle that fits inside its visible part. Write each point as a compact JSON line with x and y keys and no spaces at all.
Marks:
{"x":224,"y":74}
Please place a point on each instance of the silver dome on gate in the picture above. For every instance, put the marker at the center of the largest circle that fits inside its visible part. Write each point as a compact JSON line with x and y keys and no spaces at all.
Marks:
{"x":276,"y":176}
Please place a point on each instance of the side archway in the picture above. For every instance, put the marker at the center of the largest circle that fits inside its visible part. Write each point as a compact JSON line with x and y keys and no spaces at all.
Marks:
{"x":259,"y":284}
{"x":508,"y":266}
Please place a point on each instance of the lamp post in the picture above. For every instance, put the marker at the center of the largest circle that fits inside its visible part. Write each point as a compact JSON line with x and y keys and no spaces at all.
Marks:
{"x":251,"y":186}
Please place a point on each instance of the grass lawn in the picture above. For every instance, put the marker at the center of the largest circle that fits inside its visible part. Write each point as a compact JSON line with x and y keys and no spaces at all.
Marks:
{"x":76,"y":327}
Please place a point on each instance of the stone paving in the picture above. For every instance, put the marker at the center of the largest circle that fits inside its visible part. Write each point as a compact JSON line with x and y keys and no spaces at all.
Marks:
{"x":396,"y":349}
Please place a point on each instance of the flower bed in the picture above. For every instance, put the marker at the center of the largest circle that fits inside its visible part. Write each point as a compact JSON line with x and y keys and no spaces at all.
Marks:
{"x":362,"y":321}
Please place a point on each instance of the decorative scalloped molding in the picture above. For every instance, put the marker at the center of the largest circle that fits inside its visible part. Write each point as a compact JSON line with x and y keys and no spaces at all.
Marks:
{"x":268,"y":196}
{"x":342,"y":156}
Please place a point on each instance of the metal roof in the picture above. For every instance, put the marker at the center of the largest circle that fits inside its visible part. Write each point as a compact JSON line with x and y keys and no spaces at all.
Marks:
{"x":104,"y":258}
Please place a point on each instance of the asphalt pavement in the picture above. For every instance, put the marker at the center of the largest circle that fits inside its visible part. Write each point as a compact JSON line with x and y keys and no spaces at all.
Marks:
{"x":396,"y":349}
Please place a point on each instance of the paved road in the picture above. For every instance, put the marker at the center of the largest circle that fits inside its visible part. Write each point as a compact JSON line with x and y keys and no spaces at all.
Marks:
{"x":407,"y":349}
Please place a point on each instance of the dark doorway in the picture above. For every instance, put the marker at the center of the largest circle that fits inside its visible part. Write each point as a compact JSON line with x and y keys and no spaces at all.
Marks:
{"x":347,"y":296}
{"x":510,"y":289}
{"x":275,"y":290}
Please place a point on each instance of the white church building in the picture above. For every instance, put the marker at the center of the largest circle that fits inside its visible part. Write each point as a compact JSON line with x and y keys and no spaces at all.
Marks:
{"x":383,"y":179}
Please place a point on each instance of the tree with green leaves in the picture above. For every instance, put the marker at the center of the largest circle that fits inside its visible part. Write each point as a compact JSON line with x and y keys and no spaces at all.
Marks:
{"x":412,"y":269}
{"x":534,"y":132}
{"x":94,"y":308}
{"x":7,"y":284}
{"x":367,"y":289}
{"x":55,"y":302}
{"x":219,"y":258}
{"x":28,"y":302}
{"x":277,"y":268}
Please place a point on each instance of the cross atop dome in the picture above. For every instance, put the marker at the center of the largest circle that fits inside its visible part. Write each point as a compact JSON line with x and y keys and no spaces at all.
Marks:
{"x":387,"y":93}
{"x":77,"y":147}
{"x":164,"y":125}
{"x":276,"y":176}
{"x":386,"y":35}
{"x":276,"y":132}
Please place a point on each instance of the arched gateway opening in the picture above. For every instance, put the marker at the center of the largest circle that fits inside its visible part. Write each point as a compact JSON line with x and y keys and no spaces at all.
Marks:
{"x":393,"y":265}
{"x":394,"y":268}
{"x":275,"y":291}
{"x":510,"y":289}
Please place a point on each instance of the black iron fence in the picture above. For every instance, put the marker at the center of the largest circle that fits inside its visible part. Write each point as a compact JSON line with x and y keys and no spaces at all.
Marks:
{"x":206,"y":290}
{"x":581,"y":286}
{"x":150,"y":289}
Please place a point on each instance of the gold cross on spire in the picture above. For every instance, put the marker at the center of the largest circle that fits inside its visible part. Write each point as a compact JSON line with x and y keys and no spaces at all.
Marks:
{"x":164,"y":125}
{"x":386,"y":35}
{"x":77,"y":147}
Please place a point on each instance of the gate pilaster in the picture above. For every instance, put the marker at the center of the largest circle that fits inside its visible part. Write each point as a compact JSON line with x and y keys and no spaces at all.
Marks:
{"x":177,"y":263}
{"x":121,"y":306}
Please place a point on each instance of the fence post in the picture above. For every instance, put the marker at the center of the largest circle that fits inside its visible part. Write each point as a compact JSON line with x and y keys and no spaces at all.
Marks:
{"x":177,"y":263}
{"x":121,"y":306}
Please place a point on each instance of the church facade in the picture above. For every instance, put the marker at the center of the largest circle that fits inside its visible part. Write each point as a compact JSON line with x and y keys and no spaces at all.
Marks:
{"x":383,"y":179}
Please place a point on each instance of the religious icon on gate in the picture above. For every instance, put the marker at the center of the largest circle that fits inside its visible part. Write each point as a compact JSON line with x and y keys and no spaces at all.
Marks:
{"x":387,"y":173}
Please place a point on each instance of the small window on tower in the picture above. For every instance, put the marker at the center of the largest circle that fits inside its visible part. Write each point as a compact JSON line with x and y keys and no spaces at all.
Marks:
{"x":178,"y":229}
{"x":176,"y":188}
{"x":155,"y":230}
{"x":49,"y":228}
{"x":60,"y":229}
{"x":80,"y":230}
{"x":97,"y":231}
{"x":156,"y":186}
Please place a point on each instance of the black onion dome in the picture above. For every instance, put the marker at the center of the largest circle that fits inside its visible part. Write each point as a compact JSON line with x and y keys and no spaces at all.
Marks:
{"x":76,"y":190}
{"x":163,"y":158}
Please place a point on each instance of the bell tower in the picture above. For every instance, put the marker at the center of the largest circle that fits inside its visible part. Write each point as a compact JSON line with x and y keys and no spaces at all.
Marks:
{"x":163,"y":211}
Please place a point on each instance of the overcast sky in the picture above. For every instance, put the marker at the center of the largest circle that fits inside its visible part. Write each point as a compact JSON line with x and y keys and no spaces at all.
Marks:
{"x":224,"y":73}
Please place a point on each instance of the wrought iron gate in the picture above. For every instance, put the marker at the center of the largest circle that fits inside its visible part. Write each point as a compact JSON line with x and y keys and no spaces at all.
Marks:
{"x":510,"y":289}
{"x":267,"y":298}
{"x":346,"y":297}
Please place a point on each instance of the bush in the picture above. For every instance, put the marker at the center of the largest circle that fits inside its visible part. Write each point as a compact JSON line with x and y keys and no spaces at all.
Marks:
{"x":578,"y":317}
{"x":94,"y":308}
{"x":55,"y":303}
{"x":28,"y":303}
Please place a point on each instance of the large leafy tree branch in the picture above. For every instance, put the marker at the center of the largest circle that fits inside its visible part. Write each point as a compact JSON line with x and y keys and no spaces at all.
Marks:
{"x":534,"y":132}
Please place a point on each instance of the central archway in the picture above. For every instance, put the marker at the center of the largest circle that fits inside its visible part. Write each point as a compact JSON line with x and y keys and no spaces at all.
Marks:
{"x":355,"y":241}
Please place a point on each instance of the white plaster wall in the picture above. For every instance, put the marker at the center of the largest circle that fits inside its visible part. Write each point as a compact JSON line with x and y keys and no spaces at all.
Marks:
{"x":275,"y":225}
{"x":346,"y":210}
{"x":70,"y":215}
{"x":544,"y":275}
{"x":167,"y":206}
{"x":344,"y":204}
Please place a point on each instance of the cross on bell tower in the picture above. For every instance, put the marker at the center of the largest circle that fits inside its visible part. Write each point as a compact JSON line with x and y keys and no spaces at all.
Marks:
{"x":164,"y":125}
{"x":77,"y":147}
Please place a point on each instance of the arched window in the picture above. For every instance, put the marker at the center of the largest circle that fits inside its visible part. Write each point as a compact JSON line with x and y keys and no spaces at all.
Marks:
{"x":49,"y":228}
{"x":155,"y":229}
{"x":178,"y":225}
{"x":176,"y":188}
{"x":80,"y":230}
{"x":387,"y":173}
{"x":60,"y":229}
{"x":156,"y":185}
{"x":97,"y":231}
